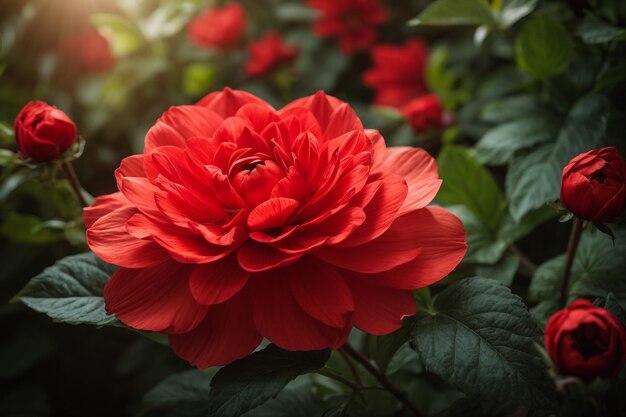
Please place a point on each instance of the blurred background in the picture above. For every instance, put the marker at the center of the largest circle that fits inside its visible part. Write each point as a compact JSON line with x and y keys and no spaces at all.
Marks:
{"x":114,"y":66}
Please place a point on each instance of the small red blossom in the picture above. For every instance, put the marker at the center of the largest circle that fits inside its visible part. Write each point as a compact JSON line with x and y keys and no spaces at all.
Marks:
{"x":593,"y":186}
{"x":586,"y":341}
{"x":219,"y":27}
{"x":43,"y":132}
{"x":268,"y":53}
{"x":88,"y":52}
{"x":240,"y":222}
{"x":424,"y":113}
{"x":354,"y":22}
{"x":398,"y":72}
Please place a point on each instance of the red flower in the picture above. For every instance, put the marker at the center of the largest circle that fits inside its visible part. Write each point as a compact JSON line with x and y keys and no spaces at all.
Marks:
{"x":593,"y":186}
{"x":398,"y":72}
{"x":424,"y":113}
{"x":240,"y":222}
{"x":86,"y":53}
{"x":354,"y":22}
{"x":218,"y":28}
{"x":43,"y":132}
{"x":586,"y":341}
{"x":269,"y":53}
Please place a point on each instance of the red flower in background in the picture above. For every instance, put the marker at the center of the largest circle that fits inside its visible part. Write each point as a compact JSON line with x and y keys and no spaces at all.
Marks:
{"x":586,"y":341}
{"x":218,"y":28}
{"x":424,"y":113}
{"x":353,"y":22}
{"x":593,"y":186}
{"x":240,"y":222}
{"x":268,"y":53}
{"x":398,"y":73}
{"x":43,"y":132}
{"x":88,"y":52}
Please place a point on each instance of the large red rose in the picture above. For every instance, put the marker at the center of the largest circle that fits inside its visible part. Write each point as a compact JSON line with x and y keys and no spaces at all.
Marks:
{"x":43,"y":132}
{"x":593,"y":186}
{"x":240,"y":222}
{"x":268,"y":53}
{"x":397,"y":75}
{"x":354,"y":22}
{"x":218,"y":28}
{"x":586,"y":341}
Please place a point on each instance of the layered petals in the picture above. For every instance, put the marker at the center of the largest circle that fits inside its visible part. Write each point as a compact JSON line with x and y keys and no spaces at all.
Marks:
{"x":156,"y":298}
{"x":240,"y":222}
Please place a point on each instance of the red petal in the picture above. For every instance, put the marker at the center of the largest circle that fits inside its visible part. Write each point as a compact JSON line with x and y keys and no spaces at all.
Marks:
{"x":180,"y":123}
{"x":156,"y":299}
{"x":395,"y":247}
{"x":226,"y":334}
{"x":379,"y":310}
{"x":102,"y":206}
{"x":227,"y":102}
{"x":321,"y":292}
{"x":279,"y":318}
{"x":380,"y":212}
{"x":272,"y":213}
{"x":418,"y":168}
{"x":441,"y":237}
{"x":216,"y":282}
{"x":257,"y":257}
{"x":109,"y":239}
{"x":180,"y":243}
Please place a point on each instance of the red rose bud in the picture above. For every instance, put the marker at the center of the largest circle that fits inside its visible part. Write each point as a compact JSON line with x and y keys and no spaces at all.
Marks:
{"x":218,"y":28}
{"x":268,"y":53}
{"x":354,"y":22}
{"x":586,"y":341}
{"x":592,"y":186}
{"x":424,"y":113}
{"x":86,"y":53}
{"x":43,"y":132}
{"x":397,"y":74}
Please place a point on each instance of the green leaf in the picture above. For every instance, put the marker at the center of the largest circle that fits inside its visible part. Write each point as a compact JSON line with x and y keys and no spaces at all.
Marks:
{"x":439,"y":78}
{"x":455,"y":12}
{"x":599,"y":269}
{"x":70,"y":291}
{"x":543,"y":47}
{"x":467,"y":182}
{"x":535,"y":179}
{"x":6,"y":134}
{"x":514,"y":10}
{"x":499,"y":144}
{"x":594,"y":30}
{"x":511,"y":108}
{"x":481,"y":340}
{"x":295,"y":400}
{"x":27,"y":228}
{"x":125,"y":38}
{"x":185,"y":394}
{"x":255,"y":379}
{"x":483,"y":245}
{"x":504,"y":270}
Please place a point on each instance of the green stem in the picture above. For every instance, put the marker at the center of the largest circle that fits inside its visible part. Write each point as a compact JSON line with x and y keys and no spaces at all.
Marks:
{"x":574,"y":238}
{"x":73,"y":179}
{"x":528,"y":267}
{"x":382,"y":378}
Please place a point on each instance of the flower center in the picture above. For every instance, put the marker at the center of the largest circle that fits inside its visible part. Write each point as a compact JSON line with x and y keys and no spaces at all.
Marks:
{"x":600,"y":175}
{"x":589,"y":340}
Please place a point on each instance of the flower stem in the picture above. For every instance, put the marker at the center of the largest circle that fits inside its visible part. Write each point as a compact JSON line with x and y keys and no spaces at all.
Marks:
{"x":73,"y":179}
{"x":574,"y":238}
{"x":382,"y":378}
{"x":528,"y":267}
